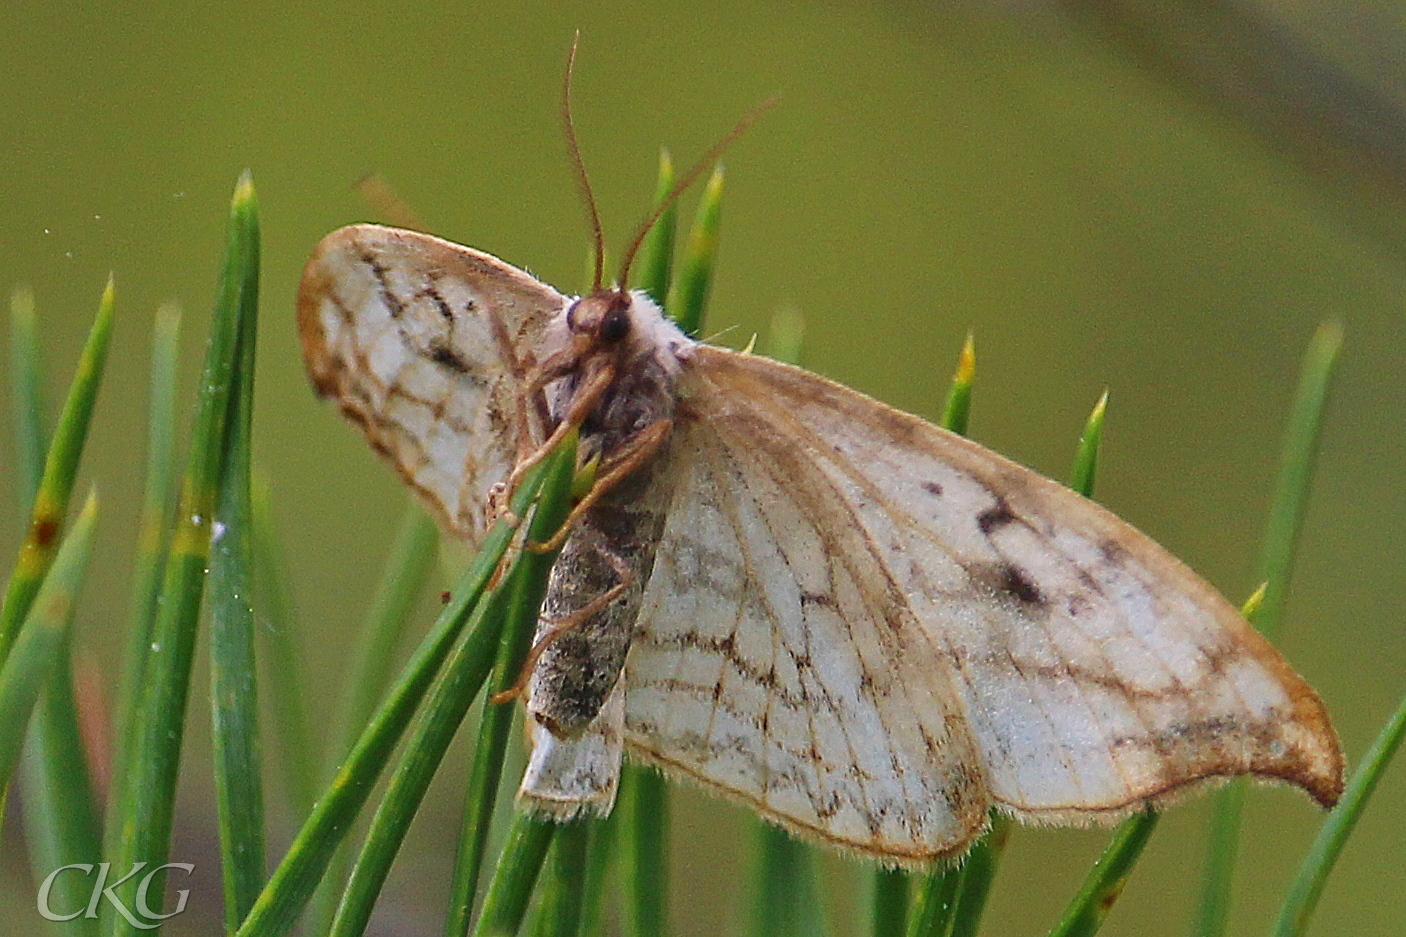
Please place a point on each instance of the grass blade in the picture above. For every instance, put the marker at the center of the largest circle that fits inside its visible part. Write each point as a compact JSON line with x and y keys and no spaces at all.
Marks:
{"x":515,"y":604}
{"x":657,"y":252}
{"x":1104,"y":882}
{"x":562,"y":899}
{"x":978,"y":874}
{"x":33,"y":656}
{"x":1303,"y":895}
{"x":1276,"y":558}
{"x":402,"y":579}
{"x":56,"y":484}
{"x":1081,"y":479}
{"x":644,"y":845}
{"x":26,"y":398}
{"x":234,"y":698}
{"x":786,"y":893}
{"x":643,"y":800}
{"x":888,"y":906}
{"x":688,"y":296}
{"x":527,"y":586}
{"x":307,"y":859}
{"x":299,"y":749}
{"x":957,"y":411}
{"x":61,"y":820}
{"x":935,"y":902}
{"x":146,"y":797}
{"x":153,"y":538}
{"x":604,"y":835}
{"x":509,"y":892}
{"x":787,"y":901}
{"x":1106,"y":879}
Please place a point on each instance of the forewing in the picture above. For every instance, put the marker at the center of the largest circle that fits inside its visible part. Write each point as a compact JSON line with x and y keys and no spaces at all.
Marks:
{"x":775,"y":662}
{"x":423,"y":342}
{"x":1096,"y":671}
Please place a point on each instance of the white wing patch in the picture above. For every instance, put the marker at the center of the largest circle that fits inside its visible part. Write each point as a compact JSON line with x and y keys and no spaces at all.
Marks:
{"x":871,"y":629}
{"x":772,"y":663}
{"x":423,"y":343}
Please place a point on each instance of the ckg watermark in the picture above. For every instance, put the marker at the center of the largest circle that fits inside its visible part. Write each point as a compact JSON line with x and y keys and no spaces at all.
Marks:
{"x":141,"y":916}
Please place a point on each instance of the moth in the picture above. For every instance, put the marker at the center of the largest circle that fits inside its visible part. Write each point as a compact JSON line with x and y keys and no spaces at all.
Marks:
{"x":866,"y":628}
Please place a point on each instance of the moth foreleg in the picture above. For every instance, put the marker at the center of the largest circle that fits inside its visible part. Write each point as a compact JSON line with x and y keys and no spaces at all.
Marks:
{"x":639,"y":450}
{"x":582,"y":403}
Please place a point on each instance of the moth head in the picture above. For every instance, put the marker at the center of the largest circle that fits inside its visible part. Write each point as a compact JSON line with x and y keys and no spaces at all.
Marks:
{"x":602,"y":319}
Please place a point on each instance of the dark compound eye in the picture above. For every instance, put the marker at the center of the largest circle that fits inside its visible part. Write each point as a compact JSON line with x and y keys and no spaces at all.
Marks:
{"x":614,"y":325}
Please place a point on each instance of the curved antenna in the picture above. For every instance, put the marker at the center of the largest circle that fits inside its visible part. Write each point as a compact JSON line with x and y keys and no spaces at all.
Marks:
{"x":688,"y":179}
{"x":582,"y":182}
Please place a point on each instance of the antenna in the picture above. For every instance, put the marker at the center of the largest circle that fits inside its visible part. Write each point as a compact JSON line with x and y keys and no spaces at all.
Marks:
{"x":579,"y":165}
{"x":688,"y":179}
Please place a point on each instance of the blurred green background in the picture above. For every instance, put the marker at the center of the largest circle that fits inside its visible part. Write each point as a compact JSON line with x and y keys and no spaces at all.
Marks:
{"x":1160,"y":200}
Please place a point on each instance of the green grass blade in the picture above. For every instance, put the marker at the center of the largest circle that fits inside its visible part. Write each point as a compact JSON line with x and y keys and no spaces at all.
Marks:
{"x":1104,"y":882}
{"x":509,"y":892}
{"x":786,"y":901}
{"x":61,"y":822}
{"x":1081,"y":479}
{"x":1291,"y":489}
{"x":643,"y":803}
{"x":1303,"y":895}
{"x":688,"y":296}
{"x":562,"y":899}
{"x":605,"y":834}
{"x":1276,"y":557}
{"x":153,"y":541}
{"x":528,"y":585}
{"x":34,"y":655}
{"x":299,"y":749}
{"x":936,"y":898}
{"x":56,"y":484}
{"x":61,"y":825}
{"x":307,"y":859}
{"x":1106,"y":879}
{"x":60,"y":816}
{"x":933,"y":904}
{"x":786,"y":893}
{"x":956,"y":413}
{"x":26,"y":398}
{"x":147,"y":792}
{"x":515,"y":604}
{"x":657,"y":251}
{"x":403,"y":577}
{"x":234,"y":698}
{"x":978,"y":874}
{"x":888,"y":905}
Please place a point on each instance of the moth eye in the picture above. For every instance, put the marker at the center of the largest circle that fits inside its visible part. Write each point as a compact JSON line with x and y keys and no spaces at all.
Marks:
{"x":614,"y":325}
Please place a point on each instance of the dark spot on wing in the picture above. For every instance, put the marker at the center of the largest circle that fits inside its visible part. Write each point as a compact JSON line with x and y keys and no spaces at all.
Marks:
{"x":933,"y":488}
{"x":996,"y":516}
{"x":447,"y":357}
{"x":1011,"y":580}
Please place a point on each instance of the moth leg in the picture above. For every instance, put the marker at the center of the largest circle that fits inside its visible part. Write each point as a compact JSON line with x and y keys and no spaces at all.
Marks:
{"x":560,"y":626}
{"x":640,"y":449}
{"x":582,"y":403}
